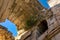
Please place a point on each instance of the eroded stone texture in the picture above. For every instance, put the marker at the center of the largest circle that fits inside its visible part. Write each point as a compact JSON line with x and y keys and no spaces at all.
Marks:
{"x":22,"y":10}
{"x":52,"y":3}
{"x":4,"y":9}
{"x":18,"y":11}
{"x":5,"y":34}
{"x":53,"y":22}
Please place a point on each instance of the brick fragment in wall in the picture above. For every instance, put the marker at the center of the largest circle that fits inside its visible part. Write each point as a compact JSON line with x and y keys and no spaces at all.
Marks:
{"x":58,"y":19}
{"x":56,"y":9}
{"x":51,"y":21}
{"x":34,"y":35}
{"x":57,"y":36}
{"x":29,"y":38}
{"x":55,"y":24}
{"x":19,"y":24}
{"x":53,"y":38}
{"x":50,"y":28}
{"x":52,"y":24}
{"x":5,"y":34}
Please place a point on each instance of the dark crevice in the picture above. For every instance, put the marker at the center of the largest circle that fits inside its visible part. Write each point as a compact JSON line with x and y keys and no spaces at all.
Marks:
{"x":42,"y":27}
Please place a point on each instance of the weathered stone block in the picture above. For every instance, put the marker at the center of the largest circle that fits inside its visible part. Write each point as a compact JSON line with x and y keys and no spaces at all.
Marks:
{"x":58,"y":19}
{"x":50,"y":28}
{"x":51,"y":21}
{"x":57,"y":37}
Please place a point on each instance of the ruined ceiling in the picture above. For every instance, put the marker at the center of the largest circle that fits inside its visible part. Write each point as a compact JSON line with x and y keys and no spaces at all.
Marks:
{"x":18,"y":11}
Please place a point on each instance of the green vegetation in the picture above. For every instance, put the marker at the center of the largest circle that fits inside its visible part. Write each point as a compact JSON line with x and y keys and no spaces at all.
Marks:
{"x":30,"y":22}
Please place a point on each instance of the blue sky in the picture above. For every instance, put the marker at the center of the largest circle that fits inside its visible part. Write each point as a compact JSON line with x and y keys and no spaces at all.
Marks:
{"x":44,"y":3}
{"x":12,"y":27}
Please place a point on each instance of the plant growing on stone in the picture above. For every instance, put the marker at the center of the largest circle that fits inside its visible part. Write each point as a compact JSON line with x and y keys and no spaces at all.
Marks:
{"x":30,"y":22}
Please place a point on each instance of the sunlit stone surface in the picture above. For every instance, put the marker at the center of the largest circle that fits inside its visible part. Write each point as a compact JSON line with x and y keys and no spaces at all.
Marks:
{"x":5,"y":34}
{"x":52,"y":3}
{"x":18,"y":11}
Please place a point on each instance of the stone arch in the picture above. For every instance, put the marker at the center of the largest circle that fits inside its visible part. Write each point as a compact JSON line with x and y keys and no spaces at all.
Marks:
{"x":42,"y":27}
